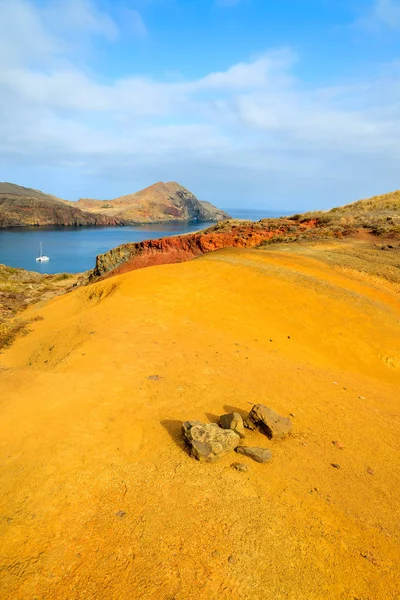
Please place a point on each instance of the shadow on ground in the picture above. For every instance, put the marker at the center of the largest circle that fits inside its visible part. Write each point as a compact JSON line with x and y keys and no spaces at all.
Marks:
{"x":242,"y":411}
{"x":212,"y":418}
{"x":174,"y":429}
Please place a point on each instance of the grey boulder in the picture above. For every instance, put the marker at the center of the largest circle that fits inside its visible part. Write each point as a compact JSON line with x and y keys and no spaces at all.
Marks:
{"x":261,"y":455}
{"x":209,"y":442}
{"x":268,"y":421}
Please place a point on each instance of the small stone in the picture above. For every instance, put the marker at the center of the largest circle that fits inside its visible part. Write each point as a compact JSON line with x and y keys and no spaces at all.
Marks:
{"x":232,"y":560}
{"x":361,"y":397}
{"x":339,"y":445}
{"x":120,"y":513}
{"x":216,"y":554}
{"x":232,"y":421}
{"x":153,"y":377}
{"x":335,"y":465}
{"x":261,"y":455}
{"x":240,"y":467}
{"x":370,"y":471}
{"x":269,"y":422}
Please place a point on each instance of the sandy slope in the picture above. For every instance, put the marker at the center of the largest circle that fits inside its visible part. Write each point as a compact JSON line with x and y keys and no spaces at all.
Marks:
{"x":98,"y":498}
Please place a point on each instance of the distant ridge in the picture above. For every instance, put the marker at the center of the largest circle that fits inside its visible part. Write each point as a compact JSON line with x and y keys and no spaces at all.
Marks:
{"x":158,"y":203}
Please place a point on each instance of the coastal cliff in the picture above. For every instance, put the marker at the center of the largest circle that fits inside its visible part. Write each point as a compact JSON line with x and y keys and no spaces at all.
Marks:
{"x":378,"y":215}
{"x":129,"y":257}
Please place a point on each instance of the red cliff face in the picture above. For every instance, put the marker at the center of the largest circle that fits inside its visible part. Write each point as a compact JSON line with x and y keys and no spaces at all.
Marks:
{"x":129,"y":257}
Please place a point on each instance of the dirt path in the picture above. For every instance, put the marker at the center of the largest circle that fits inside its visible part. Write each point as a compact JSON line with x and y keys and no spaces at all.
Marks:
{"x":99,"y":499}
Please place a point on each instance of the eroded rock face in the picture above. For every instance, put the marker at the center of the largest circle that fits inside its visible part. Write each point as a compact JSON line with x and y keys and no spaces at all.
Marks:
{"x":209,"y":442}
{"x":175,"y":249}
{"x":232,"y":421}
{"x":268,"y":421}
{"x":261,"y":455}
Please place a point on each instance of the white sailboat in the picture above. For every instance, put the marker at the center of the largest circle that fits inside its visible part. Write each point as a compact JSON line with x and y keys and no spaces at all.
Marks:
{"x":42,"y":258}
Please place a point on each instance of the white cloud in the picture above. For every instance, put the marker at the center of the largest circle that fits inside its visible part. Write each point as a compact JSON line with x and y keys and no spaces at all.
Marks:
{"x":247,"y":127}
{"x":23,"y":37}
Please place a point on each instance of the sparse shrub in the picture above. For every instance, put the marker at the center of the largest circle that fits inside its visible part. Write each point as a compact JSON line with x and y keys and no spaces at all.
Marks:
{"x":61,"y":276}
{"x":9,"y":330}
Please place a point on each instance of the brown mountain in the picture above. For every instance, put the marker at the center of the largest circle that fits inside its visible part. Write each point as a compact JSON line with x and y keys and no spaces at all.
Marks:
{"x":161,"y":202}
{"x":20,"y":206}
{"x":158,"y":203}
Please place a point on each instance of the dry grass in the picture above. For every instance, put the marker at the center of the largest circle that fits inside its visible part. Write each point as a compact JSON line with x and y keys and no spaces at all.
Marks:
{"x":20,"y":288}
{"x":380,"y":214}
{"x":11,"y":329}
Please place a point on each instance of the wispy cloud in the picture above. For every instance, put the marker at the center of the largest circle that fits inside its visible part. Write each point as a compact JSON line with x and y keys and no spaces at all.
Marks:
{"x":80,"y":15}
{"x":135,"y":22}
{"x":382,"y":13}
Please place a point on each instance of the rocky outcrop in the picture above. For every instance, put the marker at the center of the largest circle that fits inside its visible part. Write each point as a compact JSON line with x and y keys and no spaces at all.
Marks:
{"x":209,"y":212}
{"x":268,"y":421}
{"x":208,"y":442}
{"x":129,"y":257}
{"x":21,"y":207}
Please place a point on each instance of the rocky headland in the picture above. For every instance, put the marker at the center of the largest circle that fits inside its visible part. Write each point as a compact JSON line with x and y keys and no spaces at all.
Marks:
{"x":160,"y":203}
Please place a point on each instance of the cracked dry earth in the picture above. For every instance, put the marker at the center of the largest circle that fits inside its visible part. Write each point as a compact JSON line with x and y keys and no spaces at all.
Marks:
{"x":99,"y":499}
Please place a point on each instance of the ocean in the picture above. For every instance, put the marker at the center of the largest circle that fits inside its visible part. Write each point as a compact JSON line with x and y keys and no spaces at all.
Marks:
{"x":73,"y":250}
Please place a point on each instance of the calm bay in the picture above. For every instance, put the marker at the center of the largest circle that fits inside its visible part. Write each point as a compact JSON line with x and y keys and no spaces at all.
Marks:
{"x":74,"y":250}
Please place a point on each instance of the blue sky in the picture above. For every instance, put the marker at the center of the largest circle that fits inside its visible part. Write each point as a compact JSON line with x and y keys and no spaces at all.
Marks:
{"x":290,"y":104}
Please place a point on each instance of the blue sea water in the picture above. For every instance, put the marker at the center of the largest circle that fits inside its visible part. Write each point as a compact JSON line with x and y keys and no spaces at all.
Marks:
{"x":256,"y":214}
{"x":73,"y":250}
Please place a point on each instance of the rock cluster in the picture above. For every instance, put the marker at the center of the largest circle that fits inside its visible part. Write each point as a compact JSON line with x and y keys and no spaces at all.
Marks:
{"x":210,"y":441}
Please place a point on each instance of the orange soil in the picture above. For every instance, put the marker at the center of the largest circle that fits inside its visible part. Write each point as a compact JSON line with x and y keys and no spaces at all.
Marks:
{"x":98,"y":498}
